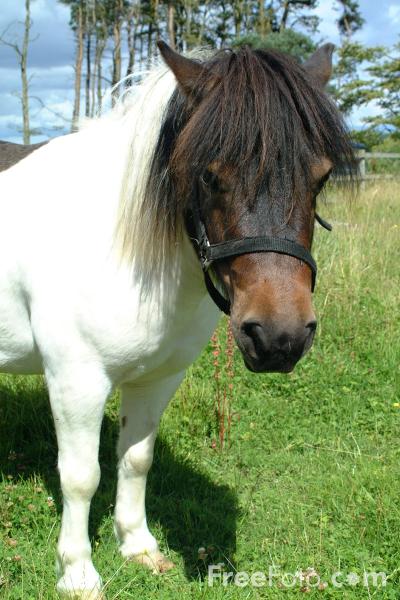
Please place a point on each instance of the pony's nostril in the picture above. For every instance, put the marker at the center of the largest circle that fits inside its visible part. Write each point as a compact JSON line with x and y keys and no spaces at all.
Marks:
{"x":256,"y":333}
{"x":312,"y":326}
{"x":248,"y":327}
{"x":251,"y":328}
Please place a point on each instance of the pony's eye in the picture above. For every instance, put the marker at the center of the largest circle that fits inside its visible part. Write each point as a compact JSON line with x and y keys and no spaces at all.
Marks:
{"x":323,"y":181}
{"x":210,"y":181}
{"x":320,"y":186}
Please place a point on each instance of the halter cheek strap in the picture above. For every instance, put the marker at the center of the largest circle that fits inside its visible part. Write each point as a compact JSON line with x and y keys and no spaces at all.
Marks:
{"x":323,"y":223}
{"x":210,"y":253}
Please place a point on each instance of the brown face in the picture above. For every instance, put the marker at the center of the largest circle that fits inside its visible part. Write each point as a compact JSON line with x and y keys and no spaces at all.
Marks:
{"x":271,"y":310}
{"x":270,"y":293}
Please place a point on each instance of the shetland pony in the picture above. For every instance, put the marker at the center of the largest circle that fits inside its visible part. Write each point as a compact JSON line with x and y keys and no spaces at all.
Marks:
{"x":103,"y":236}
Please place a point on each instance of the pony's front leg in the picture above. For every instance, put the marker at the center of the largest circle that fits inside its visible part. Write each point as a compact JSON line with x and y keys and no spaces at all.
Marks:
{"x":77,"y":400}
{"x":141,"y":410}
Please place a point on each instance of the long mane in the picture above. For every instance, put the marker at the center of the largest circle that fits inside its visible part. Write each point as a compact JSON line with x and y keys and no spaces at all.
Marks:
{"x":264,"y":117}
{"x":142,"y":113}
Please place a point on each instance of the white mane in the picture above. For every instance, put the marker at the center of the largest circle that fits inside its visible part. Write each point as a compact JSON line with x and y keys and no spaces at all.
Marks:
{"x":140,"y":114}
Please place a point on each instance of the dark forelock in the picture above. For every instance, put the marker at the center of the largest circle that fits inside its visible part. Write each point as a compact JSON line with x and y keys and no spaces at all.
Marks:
{"x":262,"y":115}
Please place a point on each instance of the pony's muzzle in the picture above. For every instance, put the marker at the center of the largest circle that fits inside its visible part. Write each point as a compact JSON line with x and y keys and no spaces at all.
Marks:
{"x":266,"y":347}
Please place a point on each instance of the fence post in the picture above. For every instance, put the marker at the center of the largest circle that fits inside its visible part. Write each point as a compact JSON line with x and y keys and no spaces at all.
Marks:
{"x":361,"y":164}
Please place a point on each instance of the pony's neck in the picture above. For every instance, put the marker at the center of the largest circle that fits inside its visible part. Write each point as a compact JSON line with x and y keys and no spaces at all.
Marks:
{"x":162,"y":270}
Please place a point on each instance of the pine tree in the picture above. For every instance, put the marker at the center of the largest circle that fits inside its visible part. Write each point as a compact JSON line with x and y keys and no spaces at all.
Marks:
{"x":386,"y":91}
{"x":350,"y":19}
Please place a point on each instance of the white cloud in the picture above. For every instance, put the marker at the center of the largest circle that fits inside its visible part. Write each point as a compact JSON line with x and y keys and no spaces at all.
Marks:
{"x":9,"y":120}
{"x":51,"y":37}
{"x":328,"y":27}
{"x":51,"y":115}
{"x":9,"y":79}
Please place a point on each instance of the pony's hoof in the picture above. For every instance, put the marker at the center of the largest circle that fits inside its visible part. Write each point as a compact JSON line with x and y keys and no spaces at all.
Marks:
{"x":156,"y":561}
{"x":76,"y":585}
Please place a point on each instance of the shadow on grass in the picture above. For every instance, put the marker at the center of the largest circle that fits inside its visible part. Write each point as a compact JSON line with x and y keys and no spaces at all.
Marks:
{"x":191,"y":509}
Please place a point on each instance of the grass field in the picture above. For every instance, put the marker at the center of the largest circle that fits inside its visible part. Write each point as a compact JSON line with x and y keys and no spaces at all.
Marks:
{"x":311,"y":477}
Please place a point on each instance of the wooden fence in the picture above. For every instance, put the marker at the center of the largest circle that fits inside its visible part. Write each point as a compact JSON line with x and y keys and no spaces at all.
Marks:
{"x":364,"y":156}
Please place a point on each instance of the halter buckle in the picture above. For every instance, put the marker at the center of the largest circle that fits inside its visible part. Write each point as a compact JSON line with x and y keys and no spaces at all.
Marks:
{"x":203,"y":244}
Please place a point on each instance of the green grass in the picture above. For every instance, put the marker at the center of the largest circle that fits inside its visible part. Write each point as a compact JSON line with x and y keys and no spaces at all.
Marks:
{"x":311,"y":478}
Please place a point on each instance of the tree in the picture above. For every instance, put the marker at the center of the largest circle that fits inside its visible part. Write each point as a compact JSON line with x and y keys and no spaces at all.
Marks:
{"x":77,"y":23}
{"x":136,"y":24}
{"x":101,"y":37}
{"x":132,"y":23}
{"x":297,"y":44}
{"x":22,"y":55}
{"x":368,"y":137}
{"x":289,"y":14}
{"x":386,"y":92}
{"x":349,"y":88}
{"x":380,"y":83}
{"x":350,"y":19}
{"x":116,"y":17}
{"x":171,"y":23}
{"x":90,"y":23}
{"x":130,"y":28}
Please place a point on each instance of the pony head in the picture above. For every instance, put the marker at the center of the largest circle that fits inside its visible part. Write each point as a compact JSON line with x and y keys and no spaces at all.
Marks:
{"x":252,"y":138}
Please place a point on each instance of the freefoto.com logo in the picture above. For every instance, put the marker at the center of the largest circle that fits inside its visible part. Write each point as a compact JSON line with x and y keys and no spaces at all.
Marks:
{"x":304,"y":579}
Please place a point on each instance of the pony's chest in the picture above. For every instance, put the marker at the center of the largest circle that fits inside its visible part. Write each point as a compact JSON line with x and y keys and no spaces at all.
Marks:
{"x":168,"y":344}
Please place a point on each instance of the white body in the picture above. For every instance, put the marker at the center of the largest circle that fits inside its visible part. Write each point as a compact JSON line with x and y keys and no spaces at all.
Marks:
{"x":71,"y":309}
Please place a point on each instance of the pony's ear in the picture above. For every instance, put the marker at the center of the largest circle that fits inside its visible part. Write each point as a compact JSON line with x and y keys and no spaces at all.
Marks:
{"x":187,"y":71}
{"x":319,"y":65}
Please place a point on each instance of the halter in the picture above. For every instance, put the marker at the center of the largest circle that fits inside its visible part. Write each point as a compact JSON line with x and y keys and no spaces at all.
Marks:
{"x":210,"y":253}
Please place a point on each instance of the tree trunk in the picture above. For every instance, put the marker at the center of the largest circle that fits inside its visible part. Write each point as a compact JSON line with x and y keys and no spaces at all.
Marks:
{"x":131,"y":29}
{"x":94,"y":76}
{"x":247,"y":15}
{"x":24,"y":75}
{"x":171,"y":24}
{"x":153,"y":28}
{"x":97,"y":75}
{"x":238,"y":16}
{"x":141,"y":45}
{"x":88,"y":73}
{"x":262,"y":24}
{"x":78,"y":68}
{"x":149,"y":44}
{"x":102,"y":33}
{"x":99,"y":57}
{"x":91,"y":70}
{"x":116,"y":72}
{"x":285,"y":15}
{"x":224,"y":24}
{"x":188,"y":25}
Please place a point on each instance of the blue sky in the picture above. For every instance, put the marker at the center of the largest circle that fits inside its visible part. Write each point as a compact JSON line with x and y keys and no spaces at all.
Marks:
{"x":51,"y":58}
